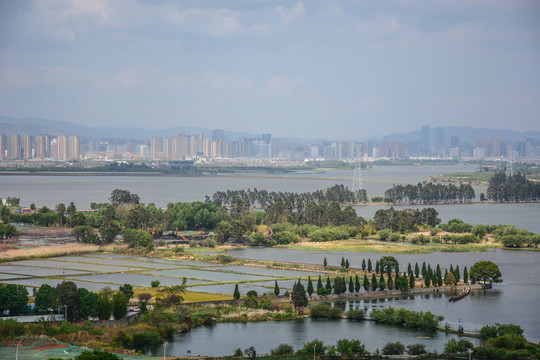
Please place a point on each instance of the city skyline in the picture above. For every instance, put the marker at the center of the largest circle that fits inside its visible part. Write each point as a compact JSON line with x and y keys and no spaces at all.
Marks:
{"x":297,"y":69}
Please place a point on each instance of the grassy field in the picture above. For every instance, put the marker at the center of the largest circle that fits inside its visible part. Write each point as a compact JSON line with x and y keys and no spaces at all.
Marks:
{"x":373,"y":246}
{"x":189,"y":296}
{"x":46,"y":251}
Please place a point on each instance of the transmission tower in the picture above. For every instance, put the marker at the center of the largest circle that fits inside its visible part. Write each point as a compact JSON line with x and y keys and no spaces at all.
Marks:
{"x":358,"y":179}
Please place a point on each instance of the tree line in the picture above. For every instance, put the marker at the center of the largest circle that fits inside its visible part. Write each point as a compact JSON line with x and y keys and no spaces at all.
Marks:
{"x":511,"y":188}
{"x":428,"y":193}
{"x":262,"y":198}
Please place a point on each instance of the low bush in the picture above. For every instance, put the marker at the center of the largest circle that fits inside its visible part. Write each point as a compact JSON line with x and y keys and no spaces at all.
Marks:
{"x":396,"y":348}
{"x":324,"y":311}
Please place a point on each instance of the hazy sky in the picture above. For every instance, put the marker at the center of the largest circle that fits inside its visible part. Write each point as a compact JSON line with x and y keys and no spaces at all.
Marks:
{"x":333,"y":69}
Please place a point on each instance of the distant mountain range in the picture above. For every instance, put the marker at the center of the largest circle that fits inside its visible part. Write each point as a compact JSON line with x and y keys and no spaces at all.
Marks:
{"x":38,"y":126}
{"x":466,"y":134}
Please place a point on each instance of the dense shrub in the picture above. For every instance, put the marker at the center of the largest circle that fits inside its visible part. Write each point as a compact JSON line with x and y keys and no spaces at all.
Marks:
{"x":416,"y":349}
{"x":356,"y":314}
{"x":396,"y":348}
{"x":454,"y":346}
{"x":282,"y":350}
{"x":324,"y":311}
{"x":407,"y":318}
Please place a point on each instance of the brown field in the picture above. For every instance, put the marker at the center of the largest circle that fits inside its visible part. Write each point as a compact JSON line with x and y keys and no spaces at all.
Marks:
{"x":10,"y":253}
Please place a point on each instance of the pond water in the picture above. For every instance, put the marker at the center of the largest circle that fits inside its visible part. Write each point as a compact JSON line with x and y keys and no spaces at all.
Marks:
{"x":223,"y":339}
{"x":514,"y":300}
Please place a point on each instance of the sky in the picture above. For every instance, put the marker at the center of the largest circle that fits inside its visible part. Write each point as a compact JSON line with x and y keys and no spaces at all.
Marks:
{"x":307,"y":69}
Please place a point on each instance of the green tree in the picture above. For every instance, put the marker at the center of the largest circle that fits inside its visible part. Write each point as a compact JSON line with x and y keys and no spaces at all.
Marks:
{"x":119,"y":305}
{"x":409,"y":269}
{"x":416,"y":271}
{"x":382,"y":283}
{"x":310,"y":286}
{"x":485,"y":271}
{"x":374,"y":284}
{"x":457,"y":273}
{"x":342,"y":262}
{"x":465,"y":275}
{"x":45,"y":299}
{"x":402,"y":283}
{"x":127,"y":290}
{"x":298,"y":296}
{"x":449,"y":279}
{"x":88,"y":304}
{"x":388,"y":263}
{"x":347,"y":264}
{"x":366,"y":283}
{"x":13,"y":298}
{"x":363,"y":264}
{"x":411,"y":281}
{"x":351,"y":285}
{"x":84,"y":234}
{"x":357,"y":283}
{"x":61,"y":210}
{"x":97,"y":354}
{"x":104,"y":304}
{"x":427,"y":280}
{"x":439,"y":276}
{"x":424,"y":270}
{"x":319,"y":285}
{"x":325,"y":263}
{"x":454,"y":346}
{"x":68,"y":296}
{"x":328,"y":286}
{"x":349,"y":348}
{"x":71,"y":210}
{"x":390,"y":283}
{"x":369,"y":266}
{"x":236,"y":294}
{"x":339,"y":285}
{"x":171,"y":295}
{"x":124,"y":197}
{"x":396,"y":348}
{"x":276,"y":288}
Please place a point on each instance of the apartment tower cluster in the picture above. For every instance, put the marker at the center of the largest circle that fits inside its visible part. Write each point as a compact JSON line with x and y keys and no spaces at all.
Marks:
{"x":40,"y":147}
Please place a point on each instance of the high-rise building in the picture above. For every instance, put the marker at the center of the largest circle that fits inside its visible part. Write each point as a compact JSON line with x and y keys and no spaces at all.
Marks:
{"x":42,"y":146}
{"x":14,"y":147}
{"x":218,"y":135}
{"x":74,"y":147}
{"x":156,"y":148}
{"x":26,"y":147}
{"x":425,"y":139}
{"x":63,"y":144}
{"x":2,"y":146}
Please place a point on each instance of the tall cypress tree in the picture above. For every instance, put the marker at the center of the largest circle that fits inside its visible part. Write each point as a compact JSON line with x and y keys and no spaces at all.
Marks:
{"x":416,"y":271}
{"x":328,"y":285}
{"x":409,"y":269}
{"x":424,"y":269}
{"x":369,"y":267}
{"x":276,"y":288}
{"x":347,"y":263}
{"x":390,"y":283}
{"x":363,"y":264}
{"x":357,"y":284}
{"x":366,"y":283}
{"x":319,"y":284}
{"x":465,"y":275}
{"x":427,"y":280}
{"x":325,"y":263}
{"x":342,"y":262}
{"x":452,"y":269}
{"x":309,"y":286}
{"x":411,"y":281}
{"x":457,"y":275}
{"x":381,"y":284}
{"x":236,"y":294}
{"x":351,"y":285}
{"x":396,"y":267}
{"x":374,"y":284}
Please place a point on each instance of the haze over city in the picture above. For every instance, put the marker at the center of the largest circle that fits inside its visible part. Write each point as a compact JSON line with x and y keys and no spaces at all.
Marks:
{"x":305,"y":69}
